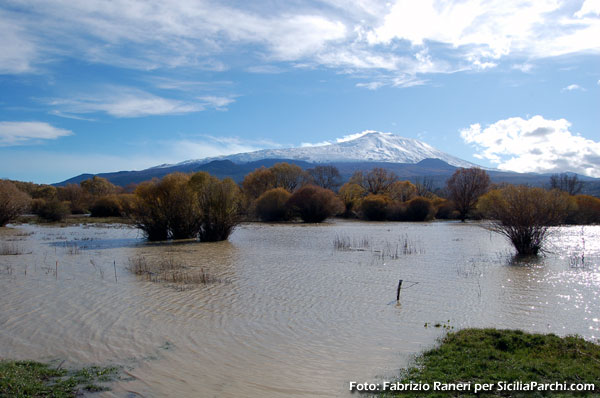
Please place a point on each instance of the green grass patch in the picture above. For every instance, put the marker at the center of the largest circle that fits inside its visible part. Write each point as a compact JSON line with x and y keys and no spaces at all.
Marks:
{"x":34,"y":379}
{"x":492,"y":355}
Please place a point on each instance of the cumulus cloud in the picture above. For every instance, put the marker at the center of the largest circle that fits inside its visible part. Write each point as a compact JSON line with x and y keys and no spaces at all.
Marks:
{"x":124,"y":102}
{"x":534,"y":145}
{"x":21,"y":133}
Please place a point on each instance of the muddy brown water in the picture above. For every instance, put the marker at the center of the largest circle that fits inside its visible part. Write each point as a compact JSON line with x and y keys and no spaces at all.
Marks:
{"x":292,"y":316}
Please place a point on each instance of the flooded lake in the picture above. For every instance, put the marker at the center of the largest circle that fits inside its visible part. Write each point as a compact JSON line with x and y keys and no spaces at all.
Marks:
{"x":297,"y":310}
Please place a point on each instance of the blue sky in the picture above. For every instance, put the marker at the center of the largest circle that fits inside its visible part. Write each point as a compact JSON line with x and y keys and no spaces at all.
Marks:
{"x":99,"y":86}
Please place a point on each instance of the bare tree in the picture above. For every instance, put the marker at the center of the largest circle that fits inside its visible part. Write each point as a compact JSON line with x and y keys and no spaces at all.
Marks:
{"x":377,"y":181}
{"x":571,"y":184}
{"x":424,"y":186}
{"x":327,"y":177}
{"x":465,"y":187}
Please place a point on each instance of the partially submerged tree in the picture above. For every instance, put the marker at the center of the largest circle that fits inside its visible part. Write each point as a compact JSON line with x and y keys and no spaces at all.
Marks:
{"x":465,"y":187}
{"x":524,"y":215}
{"x":315,"y":204}
{"x":272,"y":205}
{"x":570,"y":184}
{"x":219,"y":203}
{"x":13,"y":202}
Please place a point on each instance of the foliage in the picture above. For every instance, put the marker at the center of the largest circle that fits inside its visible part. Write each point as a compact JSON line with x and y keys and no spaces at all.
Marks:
{"x":149,"y":213}
{"x":424,"y":187}
{"x":181,"y":207}
{"x":98,"y":186}
{"x":13,"y":202}
{"x":46,"y":192}
{"x":524,"y":214}
{"x":375,"y":207}
{"x":272,"y":205}
{"x":289,"y":176}
{"x":570,"y":184}
{"x":351,"y":196}
{"x":492,"y":355}
{"x":444,"y":209}
{"x":315,"y":204}
{"x":465,"y":187}
{"x":258,"y":182}
{"x":327,"y":177}
{"x":52,"y":210}
{"x":106,"y":206}
{"x":219,"y":203}
{"x":587,"y":210}
{"x":79,"y":199}
{"x":34,"y":379}
{"x":419,"y":209}
{"x":402,"y":191}
{"x":377,"y":181}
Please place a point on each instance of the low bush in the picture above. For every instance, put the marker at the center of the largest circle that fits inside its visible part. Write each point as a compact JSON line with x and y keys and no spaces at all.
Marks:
{"x":53,"y":210}
{"x":272,"y":205}
{"x":315,"y":204}
{"x":586,"y":211}
{"x":419,"y":209}
{"x":375,"y":207}
{"x":106,"y":206}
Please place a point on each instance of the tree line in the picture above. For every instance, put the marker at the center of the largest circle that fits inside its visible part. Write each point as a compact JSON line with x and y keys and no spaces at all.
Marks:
{"x":201,"y":206}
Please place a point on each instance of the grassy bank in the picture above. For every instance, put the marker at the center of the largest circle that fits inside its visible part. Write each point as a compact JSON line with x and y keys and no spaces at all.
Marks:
{"x":491,"y":355}
{"x":35,"y":379}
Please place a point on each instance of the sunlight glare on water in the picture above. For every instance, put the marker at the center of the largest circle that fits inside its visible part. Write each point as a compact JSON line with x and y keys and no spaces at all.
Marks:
{"x":290,"y":315}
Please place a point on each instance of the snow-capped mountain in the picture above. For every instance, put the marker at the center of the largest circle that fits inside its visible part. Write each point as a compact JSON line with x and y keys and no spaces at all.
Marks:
{"x":371,"y":146}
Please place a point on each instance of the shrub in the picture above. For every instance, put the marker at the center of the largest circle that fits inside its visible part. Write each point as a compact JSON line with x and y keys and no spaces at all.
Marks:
{"x":149,"y":213}
{"x":78,"y":198}
{"x":272,"y":205}
{"x":419,"y":209}
{"x":396,"y":211}
{"x":13,"y":202}
{"x":289,"y":176}
{"x":444,"y":209}
{"x":219,"y":204}
{"x":107,"y":206}
{"x":315,"y":204}
{"x":587,"y":210}
{"x":375,"y":207}
{"x":524,"y":214}
{"x":167,"y":208}
{"x":98,"y":186}
{"x":351,"y":196}
{"x":53,"y":210}
{"x":258,"y":182}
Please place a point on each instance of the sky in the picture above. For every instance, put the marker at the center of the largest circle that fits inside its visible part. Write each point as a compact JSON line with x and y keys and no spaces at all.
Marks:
{"x":99,"y":86}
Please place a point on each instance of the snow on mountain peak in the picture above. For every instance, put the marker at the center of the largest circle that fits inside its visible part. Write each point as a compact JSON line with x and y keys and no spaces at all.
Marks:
{"x":367,"y":146}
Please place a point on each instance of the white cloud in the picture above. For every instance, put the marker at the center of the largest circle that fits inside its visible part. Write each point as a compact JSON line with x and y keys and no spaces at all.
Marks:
{"x":573,"y":87}
{"x":17,"y":51}
{"x":393,"y":39}
{"x":207,"y":146}
{"x":21,"y":133}
{"x":128,"y":102}
{"x":589,"y":7}
{"x":535,"y":145}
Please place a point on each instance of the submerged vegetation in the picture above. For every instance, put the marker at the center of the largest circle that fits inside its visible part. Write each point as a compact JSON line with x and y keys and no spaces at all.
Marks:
{"x":492,"y":356}
{"x":34,"y":379}
{"x":169,"y":271}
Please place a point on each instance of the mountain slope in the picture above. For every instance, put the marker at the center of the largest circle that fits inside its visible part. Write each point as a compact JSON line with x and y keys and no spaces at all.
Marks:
{"x":372,"y":146}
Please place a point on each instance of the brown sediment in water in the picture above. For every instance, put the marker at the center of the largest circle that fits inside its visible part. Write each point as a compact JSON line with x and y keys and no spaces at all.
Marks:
{"x":296,"y":316}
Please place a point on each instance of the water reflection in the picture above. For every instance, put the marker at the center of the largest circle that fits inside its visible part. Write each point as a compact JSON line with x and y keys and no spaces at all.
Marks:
{"x":297,"y":317}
